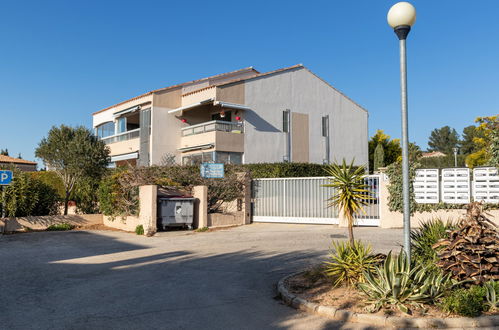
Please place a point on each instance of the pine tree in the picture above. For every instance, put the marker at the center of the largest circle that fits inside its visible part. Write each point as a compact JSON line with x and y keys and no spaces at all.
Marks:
{"x":379,"y":157}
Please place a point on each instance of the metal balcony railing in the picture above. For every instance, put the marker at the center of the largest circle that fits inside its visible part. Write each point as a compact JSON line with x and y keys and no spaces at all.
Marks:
{"x":122,"y":136}
{"x":214,"y":125}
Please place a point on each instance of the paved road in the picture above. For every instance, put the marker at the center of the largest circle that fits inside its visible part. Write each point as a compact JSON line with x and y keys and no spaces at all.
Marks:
{"x":175,"y":280}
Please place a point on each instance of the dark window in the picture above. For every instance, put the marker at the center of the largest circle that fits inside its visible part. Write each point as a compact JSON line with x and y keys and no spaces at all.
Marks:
{"x":325,"y":126}
{"x":222,"y":115}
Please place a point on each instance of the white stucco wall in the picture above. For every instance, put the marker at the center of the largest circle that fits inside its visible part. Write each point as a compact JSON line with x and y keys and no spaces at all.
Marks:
{"x":301,"y":91}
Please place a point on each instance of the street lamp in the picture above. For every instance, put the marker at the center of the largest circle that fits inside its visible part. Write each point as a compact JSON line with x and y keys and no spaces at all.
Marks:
{"x":455,"y":149}
{"x":401,"y":17}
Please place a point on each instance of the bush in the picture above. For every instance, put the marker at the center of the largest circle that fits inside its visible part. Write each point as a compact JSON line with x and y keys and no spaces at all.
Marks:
{"x":51,"y":179}
{"x":28,"y":195}
{"x":283,"y":170}
{"x":442,"y":162}
{"x":349,"y":262}
{"x":60,"y":227}
{"x":423,"y":238}
{"x":492,"y":295}
{"x":139,"y":230}
{"x":465,"y":302}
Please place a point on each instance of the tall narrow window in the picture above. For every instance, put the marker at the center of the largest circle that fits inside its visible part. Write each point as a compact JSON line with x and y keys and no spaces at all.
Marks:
{"x":121,"y":124}
{"x":285,"y":121}
{"x":325,"y":134}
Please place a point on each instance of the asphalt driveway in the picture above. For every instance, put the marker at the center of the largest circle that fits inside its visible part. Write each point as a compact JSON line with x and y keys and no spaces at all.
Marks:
{"x":175,"y":280}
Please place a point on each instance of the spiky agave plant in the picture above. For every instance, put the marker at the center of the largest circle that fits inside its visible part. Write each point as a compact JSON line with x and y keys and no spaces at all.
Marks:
{"x":350,"y":192}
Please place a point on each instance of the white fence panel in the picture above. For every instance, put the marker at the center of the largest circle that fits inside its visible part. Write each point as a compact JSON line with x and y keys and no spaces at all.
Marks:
{"x":456,"y":185}
{"x":486,"y":184}
{"x":427,"y":186}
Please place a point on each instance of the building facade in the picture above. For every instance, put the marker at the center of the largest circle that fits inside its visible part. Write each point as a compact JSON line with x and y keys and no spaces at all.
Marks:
{"x":242,"y":116}
{"x":21,"y":164}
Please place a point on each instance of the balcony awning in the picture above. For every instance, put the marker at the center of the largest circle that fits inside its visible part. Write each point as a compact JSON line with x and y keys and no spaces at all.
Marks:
{"x":211,"y":101}
{"x":122,"y":112}
{"x":200,"y":147}
{"x":132,"y":155}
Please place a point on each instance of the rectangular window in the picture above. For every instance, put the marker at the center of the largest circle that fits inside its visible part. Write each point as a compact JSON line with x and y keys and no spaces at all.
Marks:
{"x":325,"y":126}
{"x":285,"y":121}
{"x":121,"y":125}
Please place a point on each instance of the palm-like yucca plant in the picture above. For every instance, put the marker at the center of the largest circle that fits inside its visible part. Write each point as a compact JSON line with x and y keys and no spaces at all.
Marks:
{"x":350,"y":192}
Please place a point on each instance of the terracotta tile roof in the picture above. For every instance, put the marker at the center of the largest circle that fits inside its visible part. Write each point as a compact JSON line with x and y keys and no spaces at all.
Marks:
{"x":176,"y":86}
{"x":7,"y":159}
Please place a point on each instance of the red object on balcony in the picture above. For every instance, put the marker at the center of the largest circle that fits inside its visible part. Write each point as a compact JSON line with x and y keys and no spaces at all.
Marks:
{"x":184,"y":120}
{"x":238,"y":118}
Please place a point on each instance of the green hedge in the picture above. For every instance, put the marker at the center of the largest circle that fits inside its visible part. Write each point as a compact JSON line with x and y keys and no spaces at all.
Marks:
{"x":442,"y":162}
{"x":283,"y":170}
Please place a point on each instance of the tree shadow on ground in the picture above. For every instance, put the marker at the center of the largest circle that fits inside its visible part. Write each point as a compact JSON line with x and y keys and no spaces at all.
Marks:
{"x":88,"y":280}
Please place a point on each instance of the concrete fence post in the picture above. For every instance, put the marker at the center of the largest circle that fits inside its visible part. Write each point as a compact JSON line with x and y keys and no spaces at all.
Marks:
{"x":200,"y":206}
{"x":148,"y":203}
{"x":246,"y":199}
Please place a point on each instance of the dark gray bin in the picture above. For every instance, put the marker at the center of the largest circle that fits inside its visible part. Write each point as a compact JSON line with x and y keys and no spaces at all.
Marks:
{"x":175,"y":211}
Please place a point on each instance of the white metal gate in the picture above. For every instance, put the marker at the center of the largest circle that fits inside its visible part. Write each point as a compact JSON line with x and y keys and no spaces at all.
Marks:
{"x":304,"y":200}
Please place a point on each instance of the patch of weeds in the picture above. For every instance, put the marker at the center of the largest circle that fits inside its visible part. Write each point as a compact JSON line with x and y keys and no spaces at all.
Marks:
{"x":60,"y":227}
{"x":201,"y":230}
{"x":139,"y":230}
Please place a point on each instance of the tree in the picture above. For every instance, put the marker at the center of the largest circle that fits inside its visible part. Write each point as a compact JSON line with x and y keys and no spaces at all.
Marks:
{"x":467,"y":144}
{"x":379,"y":157}
{"x":415,"y":152}
{"x":19,"y":156}
{"x":484,"y":141}
{"x":443,"y":140}
{"x":391,"y":148}
{"x":351,"y":194}
{"x":74,"y":153}
{"x":4,"y":152}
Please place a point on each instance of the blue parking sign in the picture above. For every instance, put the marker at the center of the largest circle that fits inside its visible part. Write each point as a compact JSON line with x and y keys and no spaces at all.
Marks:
{"x":5,"y":177}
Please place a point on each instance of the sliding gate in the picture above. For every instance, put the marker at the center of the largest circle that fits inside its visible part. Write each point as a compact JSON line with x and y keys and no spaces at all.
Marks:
{"x":304,"y":200}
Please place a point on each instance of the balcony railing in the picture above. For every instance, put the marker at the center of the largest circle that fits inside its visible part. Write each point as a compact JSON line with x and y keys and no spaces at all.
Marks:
{"x":214,"y":125}
{"x":122,"y":136}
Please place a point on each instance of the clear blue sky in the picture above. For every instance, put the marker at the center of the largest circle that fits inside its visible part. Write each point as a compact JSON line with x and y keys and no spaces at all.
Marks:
{"x":63,"y":60}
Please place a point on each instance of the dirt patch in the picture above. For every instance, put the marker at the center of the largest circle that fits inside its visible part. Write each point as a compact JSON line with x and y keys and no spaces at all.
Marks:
{"x":314,"y":286}
{"x":98,"y":226}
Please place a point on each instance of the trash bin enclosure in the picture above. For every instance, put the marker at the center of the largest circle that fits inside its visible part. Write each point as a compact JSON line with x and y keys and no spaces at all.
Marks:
{"x":175,"y":211}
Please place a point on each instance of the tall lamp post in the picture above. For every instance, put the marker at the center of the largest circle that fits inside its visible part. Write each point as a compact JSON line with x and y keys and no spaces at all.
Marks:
{"x":401,"y":17}
{"x":455,"y":149}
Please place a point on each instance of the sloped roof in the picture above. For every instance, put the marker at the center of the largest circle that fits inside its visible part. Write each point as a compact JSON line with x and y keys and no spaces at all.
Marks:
{"x":8,"y":159}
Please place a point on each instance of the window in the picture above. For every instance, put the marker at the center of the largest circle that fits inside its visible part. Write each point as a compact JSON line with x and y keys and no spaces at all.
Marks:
{"x":325,"y":126}
{"x":104,"y":130}
{"x":121,"y":124}
{"x":229,"y":157}
{"x":213,"y":156}
{"x":285,"y":121}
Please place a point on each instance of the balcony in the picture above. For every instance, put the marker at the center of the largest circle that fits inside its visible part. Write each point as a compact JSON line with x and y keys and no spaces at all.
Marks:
{"x":214,"y":125}
{"x":216,"y":135}
{"x":122,"y":136}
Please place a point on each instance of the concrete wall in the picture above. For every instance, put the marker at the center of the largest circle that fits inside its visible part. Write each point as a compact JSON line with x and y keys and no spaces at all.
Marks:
{"x":165,"y":128}
{"x":301,"y":91}
{"x":128,"y":223}
{"x":223,"y":141}
{"x":42,"y":222}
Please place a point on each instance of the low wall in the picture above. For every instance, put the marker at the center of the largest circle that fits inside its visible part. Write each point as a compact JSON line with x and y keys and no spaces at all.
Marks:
{"x":390,"y":219}
{"x":42,"y":222}
{"x":128,"y":223}
{"x":223,"y":219}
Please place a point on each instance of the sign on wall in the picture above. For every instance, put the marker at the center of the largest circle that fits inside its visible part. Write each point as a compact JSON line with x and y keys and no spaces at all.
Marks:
{"x":5,"y":177}
{"x":426,"y":186}
{"x":486,"y":184}
{"x":456,"y":185}
{"x":212,"y":170}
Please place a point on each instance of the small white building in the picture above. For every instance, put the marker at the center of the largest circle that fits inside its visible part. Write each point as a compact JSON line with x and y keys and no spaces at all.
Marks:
{"x":243,"y":116}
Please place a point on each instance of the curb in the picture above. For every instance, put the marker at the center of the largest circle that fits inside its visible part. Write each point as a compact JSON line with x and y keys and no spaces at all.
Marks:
{"x":387,"y":321}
